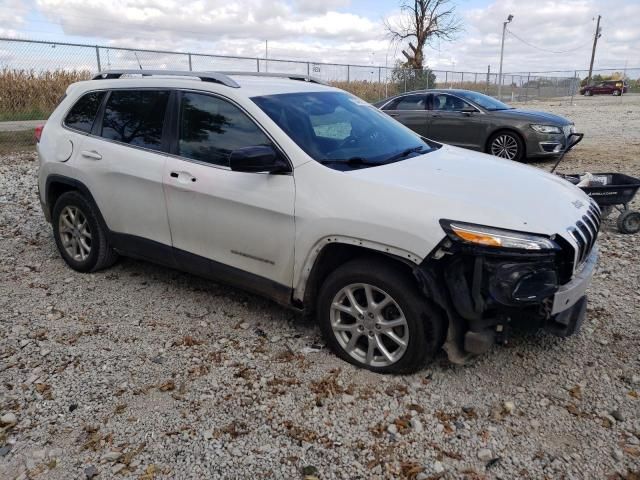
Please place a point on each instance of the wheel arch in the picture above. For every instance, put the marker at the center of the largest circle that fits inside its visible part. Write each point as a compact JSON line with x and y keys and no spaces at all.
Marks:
{"x":57,"y":185}
{"x":331,"y":252}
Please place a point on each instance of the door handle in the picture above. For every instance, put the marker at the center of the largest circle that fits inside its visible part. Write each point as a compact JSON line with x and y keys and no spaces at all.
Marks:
{"x":393,"y":114}
{"x":91,"y":154}
{"x":183,"y":177}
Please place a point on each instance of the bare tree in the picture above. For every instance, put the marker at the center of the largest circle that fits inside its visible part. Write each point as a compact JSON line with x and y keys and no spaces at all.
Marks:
{"x":423,"y":21}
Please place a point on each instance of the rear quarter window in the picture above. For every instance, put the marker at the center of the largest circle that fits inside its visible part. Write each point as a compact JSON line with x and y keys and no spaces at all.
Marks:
{"x":83,"y":113}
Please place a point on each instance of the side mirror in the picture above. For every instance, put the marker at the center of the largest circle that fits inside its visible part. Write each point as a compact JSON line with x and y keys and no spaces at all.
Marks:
{"x":259,"y":159}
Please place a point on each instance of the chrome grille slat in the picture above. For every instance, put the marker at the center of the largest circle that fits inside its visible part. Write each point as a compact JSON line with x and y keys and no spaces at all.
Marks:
{"x":585,"y":233}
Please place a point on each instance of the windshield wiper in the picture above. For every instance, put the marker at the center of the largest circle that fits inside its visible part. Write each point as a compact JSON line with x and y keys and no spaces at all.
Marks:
{"x":403,"y":154}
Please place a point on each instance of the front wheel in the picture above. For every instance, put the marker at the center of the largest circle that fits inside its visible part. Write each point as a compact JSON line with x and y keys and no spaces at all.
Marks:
{"x":372,"y":315}
{"x":506,"y":145}
{"x":588,"y":93}
{"x":616,"y":93}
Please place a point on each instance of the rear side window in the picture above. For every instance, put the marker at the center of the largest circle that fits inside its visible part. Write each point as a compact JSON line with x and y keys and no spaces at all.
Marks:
{"x":211,"y":128}
{"x":408,"y":102}
{"x":83,"y":113}
{"x":135,"y":117}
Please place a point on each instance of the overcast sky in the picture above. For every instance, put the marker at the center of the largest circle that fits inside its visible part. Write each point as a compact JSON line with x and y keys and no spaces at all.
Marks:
{"x":345,"y":31}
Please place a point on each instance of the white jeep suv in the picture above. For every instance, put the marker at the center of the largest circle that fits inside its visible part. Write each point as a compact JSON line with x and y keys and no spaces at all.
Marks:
{"x":304,"y":193}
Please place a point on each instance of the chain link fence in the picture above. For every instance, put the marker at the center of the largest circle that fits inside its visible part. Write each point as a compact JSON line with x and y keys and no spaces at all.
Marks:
{"x":35,"y":74}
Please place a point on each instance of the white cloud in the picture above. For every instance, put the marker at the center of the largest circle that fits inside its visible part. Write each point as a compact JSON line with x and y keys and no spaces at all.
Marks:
{"x":326,"y":30}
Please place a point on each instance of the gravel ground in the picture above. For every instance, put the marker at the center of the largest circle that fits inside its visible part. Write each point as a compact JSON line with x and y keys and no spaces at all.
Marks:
{"x":145,"y":372}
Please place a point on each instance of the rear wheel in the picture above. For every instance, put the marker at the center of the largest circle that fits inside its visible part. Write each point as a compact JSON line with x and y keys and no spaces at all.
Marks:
{"x":616,"y":93}
{"x":506,"y":144}
{"x":629,"y":222}
{"x":372,"y":315}
{"x":81,"y":240}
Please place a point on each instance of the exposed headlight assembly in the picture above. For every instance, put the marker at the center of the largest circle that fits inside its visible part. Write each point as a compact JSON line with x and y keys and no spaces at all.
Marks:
{"x":496,"y":237}
{"x":546,"y":128}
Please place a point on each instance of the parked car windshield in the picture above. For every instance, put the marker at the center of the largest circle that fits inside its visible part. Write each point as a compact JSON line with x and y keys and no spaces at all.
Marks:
{"x":340,"y":130}
{"x":485,"y":101}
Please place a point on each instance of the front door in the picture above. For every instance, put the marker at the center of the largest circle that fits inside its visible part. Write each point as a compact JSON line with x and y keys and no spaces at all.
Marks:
{"x":224,"y":223}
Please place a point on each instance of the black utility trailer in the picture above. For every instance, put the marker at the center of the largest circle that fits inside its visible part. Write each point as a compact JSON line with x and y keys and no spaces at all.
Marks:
{"x":609,"y":190}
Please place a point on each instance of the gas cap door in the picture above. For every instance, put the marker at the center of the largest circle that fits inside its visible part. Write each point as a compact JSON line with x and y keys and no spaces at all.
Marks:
{"x":64,"y":149}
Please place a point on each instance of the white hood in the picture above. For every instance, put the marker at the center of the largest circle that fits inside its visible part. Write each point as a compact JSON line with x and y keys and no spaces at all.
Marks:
{"x":462,"y":185}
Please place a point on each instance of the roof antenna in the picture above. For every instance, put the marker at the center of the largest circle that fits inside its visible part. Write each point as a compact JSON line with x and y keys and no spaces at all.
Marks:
{"x":139,"y":64}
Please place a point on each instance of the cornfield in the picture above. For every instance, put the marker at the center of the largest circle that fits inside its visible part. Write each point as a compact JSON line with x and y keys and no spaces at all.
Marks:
{"x":27,"y":95}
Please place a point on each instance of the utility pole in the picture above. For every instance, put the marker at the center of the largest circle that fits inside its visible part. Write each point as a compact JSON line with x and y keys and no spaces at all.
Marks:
{"x":504,"y":30}
{"x":596,"y":36}
{"x":266,"y":55}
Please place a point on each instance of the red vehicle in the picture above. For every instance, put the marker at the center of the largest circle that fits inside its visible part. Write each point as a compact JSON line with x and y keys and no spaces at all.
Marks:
{"x":609,"y":87}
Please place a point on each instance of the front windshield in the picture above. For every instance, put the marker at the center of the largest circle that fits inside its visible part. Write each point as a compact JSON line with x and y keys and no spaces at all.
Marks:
{"x":485,"y":101}
{"x":340,"y":130}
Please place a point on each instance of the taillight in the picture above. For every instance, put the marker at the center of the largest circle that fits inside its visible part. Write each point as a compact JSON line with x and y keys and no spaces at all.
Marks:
{"x":38,"y":132}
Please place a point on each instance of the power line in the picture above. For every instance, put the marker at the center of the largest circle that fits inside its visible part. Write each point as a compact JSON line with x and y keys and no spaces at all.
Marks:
{"x":544,"y":49}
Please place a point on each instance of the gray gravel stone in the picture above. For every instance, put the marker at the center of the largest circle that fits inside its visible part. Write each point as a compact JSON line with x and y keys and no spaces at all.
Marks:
{"x":274,"y":403}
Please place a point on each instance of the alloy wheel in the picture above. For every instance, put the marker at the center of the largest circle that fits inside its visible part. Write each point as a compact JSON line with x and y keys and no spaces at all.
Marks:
{"x":369,"y":325}
{"x":75,"y":233}
{"x":505,"y":146}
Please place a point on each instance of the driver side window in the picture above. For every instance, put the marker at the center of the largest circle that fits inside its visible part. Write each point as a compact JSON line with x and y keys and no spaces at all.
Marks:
{"x":448,"y":103}
{"x":211,"y":128}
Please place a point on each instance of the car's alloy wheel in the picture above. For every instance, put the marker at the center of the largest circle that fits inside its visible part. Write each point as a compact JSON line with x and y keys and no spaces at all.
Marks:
{"x":373,"y":315}
{"x":616,"y":93}
{"x":79,"y":234}
{"x":75,"y":233}
{"x":369,"y":325}
{"x":506,"y":146}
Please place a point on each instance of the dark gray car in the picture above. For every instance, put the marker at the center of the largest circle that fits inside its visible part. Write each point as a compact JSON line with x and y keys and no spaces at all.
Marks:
{"x":472,"y":120}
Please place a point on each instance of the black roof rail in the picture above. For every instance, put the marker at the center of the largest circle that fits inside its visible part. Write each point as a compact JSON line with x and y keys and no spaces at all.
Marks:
{"x":214,"y":77}
{"x":290,"y":76}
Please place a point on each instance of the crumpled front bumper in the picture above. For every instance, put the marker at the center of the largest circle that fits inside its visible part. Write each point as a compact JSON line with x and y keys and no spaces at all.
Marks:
{"x":570,"y":293}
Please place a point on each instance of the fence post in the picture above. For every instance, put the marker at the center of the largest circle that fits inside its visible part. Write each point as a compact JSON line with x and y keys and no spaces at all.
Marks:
{"x":462,"y":80}
{"x":526,"y":89}
{"x":257,"y":64}
{"x":98,"y":58}
{"x":379,"y":74}
{"x":348,"y":73}
{"x":190,"y":68}
{"x":574,"y":85}
{"x":446,"y":78}
{"x":308,"y":69}
{"x":486,"y":90}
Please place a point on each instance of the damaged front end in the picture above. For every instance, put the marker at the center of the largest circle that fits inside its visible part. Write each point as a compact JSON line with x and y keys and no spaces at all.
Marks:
{"x":491,"y":281}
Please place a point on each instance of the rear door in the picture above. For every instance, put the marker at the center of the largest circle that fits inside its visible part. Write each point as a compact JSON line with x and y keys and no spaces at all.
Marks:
{"x":411,"y":111}
{"x":127,"y":146}
{"x":451,"y":125}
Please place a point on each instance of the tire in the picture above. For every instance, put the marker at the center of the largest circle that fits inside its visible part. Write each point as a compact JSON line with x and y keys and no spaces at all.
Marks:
{"x":422,"y":331}
{"x":616,"y":93}
{"x":506,"y":144}
{"x":629,"y":222}
{"x":79,"y":236}
{"x":588,"y":93}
